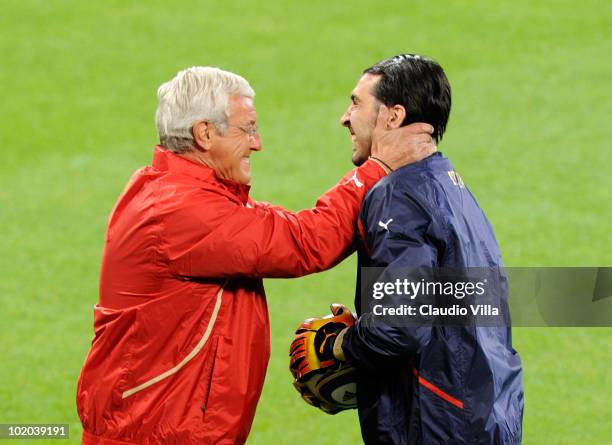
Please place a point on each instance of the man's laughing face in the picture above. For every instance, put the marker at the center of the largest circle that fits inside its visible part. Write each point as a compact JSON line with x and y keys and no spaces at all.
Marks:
{"x":360,"y":117}
{"x":231,"y":151}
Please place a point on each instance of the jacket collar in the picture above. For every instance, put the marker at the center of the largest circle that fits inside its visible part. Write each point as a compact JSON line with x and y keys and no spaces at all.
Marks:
{"x":165,"y":160}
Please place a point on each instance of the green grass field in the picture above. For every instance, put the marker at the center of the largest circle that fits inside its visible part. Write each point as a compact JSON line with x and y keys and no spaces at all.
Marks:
{"x":529,"y":132}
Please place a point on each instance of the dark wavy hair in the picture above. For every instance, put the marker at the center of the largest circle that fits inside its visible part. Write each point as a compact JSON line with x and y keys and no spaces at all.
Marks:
{"x":419,"y":85}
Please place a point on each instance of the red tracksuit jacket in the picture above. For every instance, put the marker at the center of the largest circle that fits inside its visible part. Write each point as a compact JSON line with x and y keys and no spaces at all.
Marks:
{"x":181,"y":340}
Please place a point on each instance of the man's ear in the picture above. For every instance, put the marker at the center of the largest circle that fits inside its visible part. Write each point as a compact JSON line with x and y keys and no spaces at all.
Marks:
{"x":397,"y":114}
{"x":201,"y":134}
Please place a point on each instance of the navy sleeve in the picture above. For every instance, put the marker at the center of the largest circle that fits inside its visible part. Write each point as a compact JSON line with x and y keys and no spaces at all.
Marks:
{"x":400,"y":232}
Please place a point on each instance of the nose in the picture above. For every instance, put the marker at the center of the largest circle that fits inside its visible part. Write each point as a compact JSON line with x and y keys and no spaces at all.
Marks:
{"x":256,"y":144}
{"x":345,"y":119}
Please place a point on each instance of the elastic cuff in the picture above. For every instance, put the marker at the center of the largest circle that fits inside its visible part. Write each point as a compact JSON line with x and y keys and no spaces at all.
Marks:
{"x":382,"y":163}
{"x":379,"y":167}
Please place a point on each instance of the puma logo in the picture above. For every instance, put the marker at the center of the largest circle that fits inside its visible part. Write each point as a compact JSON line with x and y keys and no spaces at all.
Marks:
{"x":457,"y":181}
{"x":356,"y":180}
{"x":321,"y":348}
{"x":385,"y":225}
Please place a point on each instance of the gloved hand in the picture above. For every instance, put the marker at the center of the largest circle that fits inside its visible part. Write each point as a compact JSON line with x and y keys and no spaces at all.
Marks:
{"x":312,"y":349}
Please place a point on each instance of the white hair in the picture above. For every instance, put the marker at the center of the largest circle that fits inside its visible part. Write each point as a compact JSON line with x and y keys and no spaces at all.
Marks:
{"x":196,"y":93}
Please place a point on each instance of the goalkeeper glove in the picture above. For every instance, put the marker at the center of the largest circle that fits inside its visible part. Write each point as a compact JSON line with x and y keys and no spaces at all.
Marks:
{"x":313,"y":349}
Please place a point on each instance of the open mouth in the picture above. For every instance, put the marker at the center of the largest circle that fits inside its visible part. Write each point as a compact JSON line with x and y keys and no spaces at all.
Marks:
{"x":245,"y":164}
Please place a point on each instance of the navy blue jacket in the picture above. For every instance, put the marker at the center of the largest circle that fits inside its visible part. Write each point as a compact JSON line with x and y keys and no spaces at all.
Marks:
{"x":431,"y":384}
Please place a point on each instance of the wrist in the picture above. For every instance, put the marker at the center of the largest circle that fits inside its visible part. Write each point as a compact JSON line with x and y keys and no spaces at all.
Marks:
{"x":382,"y":163}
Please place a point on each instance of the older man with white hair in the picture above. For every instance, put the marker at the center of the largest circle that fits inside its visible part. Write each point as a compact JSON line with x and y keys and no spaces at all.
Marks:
{"x":181,"y":328}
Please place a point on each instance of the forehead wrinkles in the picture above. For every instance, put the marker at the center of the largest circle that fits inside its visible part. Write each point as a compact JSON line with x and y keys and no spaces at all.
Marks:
{"x":365,"y":87}
{"x":244,"y":112}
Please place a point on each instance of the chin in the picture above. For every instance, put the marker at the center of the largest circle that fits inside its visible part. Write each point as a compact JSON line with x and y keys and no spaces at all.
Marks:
{"x":243,"y":177}
{"x":358,"y":159}
{"x":360,"y":155}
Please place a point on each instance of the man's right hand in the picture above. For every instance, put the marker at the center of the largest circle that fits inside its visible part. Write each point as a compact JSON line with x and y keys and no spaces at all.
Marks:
{"x":401,"y":146}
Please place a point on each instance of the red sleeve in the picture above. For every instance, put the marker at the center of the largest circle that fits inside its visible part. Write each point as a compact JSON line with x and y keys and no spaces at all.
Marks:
{"x":269,"y":241}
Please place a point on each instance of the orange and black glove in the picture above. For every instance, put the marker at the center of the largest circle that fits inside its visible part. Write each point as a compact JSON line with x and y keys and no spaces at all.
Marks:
{"x":312,"y":349}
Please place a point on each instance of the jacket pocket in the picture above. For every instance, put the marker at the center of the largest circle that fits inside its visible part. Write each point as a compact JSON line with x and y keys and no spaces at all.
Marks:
{"x":208,"y":376}
{"x":193,"y":353}
{"x":215,"y":394}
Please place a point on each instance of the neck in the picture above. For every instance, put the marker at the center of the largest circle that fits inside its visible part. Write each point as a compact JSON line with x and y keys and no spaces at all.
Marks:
{"x":195,"y":156}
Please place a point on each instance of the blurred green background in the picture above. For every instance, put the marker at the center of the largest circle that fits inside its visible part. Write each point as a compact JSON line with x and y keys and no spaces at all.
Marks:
{"x":529,"y":133}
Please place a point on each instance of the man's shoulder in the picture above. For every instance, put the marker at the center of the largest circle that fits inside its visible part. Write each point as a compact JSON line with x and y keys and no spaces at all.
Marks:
{"x":397,"y":199}
{"x":428,"y":190}
{"x":415,"y":183}
{"x":170,"y":194}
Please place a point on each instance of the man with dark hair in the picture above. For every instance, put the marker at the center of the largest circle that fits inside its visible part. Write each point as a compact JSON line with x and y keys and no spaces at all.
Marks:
{"x":426,"y":383}
{"x":182,"y":341}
